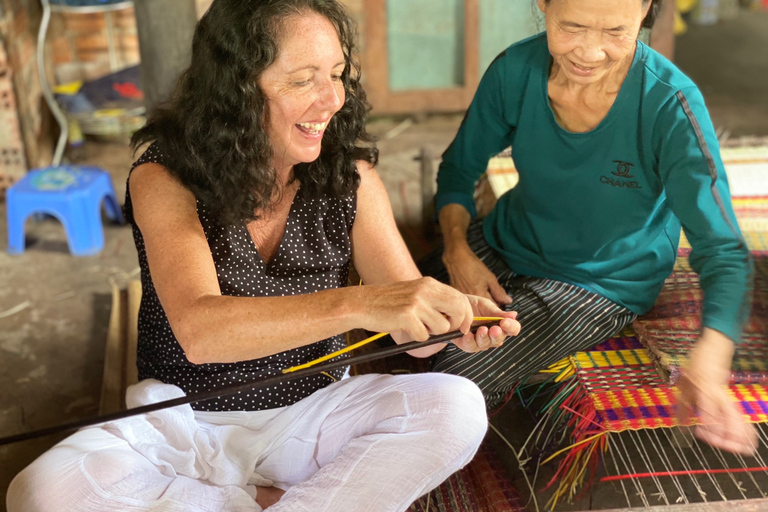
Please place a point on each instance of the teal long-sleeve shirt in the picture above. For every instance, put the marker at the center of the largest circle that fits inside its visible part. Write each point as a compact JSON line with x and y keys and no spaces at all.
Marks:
{"x":603,"y":209}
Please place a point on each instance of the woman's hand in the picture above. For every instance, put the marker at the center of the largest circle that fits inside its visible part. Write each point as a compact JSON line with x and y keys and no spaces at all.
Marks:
{"x":703,"y":393}
{"x":418,"y":308}
{"x":470,"y":275}
{"x":493,"y":337}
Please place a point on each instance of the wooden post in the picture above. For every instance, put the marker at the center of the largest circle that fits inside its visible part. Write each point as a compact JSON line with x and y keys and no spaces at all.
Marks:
{"x":663,"y":32}
{"x":427,"y":192}
{"x":165,"y":29}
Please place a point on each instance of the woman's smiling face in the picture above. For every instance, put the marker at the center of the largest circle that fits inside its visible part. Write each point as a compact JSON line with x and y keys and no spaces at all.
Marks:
{"x":587,"y":38}
{"x":303,"y":88}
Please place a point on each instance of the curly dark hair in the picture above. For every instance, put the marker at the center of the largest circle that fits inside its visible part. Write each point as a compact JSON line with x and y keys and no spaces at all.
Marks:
{"x":213,"y":127}
{"x":650,"y":18}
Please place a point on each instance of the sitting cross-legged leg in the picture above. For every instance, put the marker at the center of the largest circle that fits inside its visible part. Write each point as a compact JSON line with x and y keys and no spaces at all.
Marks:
{"x":374,"y":443}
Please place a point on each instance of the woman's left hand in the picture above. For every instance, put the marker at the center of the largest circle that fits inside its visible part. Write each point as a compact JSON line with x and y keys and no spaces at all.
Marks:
{"x":703,"y":393}
{"x":493,"y":337}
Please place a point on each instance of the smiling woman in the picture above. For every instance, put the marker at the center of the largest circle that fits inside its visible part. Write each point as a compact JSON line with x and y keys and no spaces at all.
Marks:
{"x":256,"y":190}
{"x":221,"y":105}
{"x":303,"y":98}
{"x":592,"y":42}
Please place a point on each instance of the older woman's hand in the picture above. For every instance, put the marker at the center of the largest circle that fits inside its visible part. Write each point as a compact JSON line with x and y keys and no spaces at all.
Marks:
{"x":470,"y":275}
{"x":703,"y":393}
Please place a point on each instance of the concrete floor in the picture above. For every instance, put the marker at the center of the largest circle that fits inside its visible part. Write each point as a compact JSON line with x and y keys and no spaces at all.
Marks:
{"x":51,"y":351}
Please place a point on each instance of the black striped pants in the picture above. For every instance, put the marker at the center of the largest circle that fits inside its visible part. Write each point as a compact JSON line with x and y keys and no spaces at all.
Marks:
{"x":557,"y":319}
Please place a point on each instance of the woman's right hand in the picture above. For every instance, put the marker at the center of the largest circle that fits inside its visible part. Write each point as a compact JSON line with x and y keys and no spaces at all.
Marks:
{"x":419,"y":307}
{"x":470,"y":275}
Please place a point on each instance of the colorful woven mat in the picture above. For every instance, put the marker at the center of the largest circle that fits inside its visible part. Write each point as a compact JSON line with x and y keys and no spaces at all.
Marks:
{"x":627,"y":392}
{"x":620,"y":390}
{"x":671,"y":328}
{"x":601,"y":371}
{"x":674,"y":324}
{"x":482,"y":486}
{"x":752,"y":216}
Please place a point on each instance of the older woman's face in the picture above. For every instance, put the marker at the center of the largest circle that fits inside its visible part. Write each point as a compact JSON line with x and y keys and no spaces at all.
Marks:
{"x":303,"y":88}
{"x":587,"y":38}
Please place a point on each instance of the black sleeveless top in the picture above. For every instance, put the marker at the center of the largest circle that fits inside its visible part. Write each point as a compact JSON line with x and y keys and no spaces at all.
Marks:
{"x":313,"y":255}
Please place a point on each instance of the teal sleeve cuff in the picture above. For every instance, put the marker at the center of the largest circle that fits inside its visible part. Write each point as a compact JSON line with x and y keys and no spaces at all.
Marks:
{"x":465,"y":200}
{"x":731,"y":331}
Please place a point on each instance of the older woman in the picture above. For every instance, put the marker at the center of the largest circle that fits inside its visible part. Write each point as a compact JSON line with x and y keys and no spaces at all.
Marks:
{"x":615,"y":150}
{"x":246,"y":210}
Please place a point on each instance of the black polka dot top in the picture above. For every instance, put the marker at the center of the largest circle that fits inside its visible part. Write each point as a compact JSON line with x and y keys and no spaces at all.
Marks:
{"x":313,"y":255}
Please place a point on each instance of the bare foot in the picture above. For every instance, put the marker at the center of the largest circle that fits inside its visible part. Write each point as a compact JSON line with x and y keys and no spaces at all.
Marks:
{"x":268,"y":496}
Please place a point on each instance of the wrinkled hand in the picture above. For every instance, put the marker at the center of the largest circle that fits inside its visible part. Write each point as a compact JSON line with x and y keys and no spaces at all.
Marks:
{"x":703,"y":393}
{"x":493,"y":337}
{"x":470,"y":275}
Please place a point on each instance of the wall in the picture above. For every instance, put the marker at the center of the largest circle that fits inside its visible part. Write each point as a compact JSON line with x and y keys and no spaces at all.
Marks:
{"x":79,"y":44}
{"x":503,"y":22}
{"x":25,"y":132}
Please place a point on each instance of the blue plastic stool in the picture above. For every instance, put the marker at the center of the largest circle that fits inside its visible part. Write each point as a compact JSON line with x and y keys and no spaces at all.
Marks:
{"x":71,"y":194}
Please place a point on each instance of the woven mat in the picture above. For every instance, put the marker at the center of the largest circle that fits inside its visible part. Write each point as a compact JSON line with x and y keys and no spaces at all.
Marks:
{"x":671,"y":328}
{"x":482,"y":486}
{"x":622,"y":385}
{"x":617,"y":388}
{"x":626,"y":391}
{"x":752,"y":216}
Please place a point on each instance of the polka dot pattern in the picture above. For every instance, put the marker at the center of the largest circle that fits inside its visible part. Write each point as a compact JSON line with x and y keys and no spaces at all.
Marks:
{"x":313,"y":255}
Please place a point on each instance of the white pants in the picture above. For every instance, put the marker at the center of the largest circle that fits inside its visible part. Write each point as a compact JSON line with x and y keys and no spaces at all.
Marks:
{"x":368,"y":443}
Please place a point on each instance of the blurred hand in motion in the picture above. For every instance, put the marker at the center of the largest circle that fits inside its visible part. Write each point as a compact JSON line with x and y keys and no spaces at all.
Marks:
{"x":704,"y":395}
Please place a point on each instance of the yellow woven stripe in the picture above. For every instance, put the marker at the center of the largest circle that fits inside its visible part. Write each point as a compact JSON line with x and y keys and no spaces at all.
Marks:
{"x":611,"y":358}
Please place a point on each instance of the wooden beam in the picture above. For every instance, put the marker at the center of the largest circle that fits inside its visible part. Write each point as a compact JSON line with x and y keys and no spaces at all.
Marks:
{"x":165,"y":29}
{"x":375,"y":57}
{"x":120,"y":352}
{"x":471,"y":50}
{"x":663,"y":31}
{"x":132,"y":333}
{"x":113,"y":379}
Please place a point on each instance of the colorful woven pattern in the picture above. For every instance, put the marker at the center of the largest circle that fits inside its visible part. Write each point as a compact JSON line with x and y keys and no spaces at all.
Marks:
{"x":482,"y":486}
{"x":625,"y":341}
{"x":654,"y":407}
{"x":752,"y":215}
{"x":746,"y":165}
{"x":620,"y":390}
{"x":602,"y":371}
{"x":671,"y":328}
